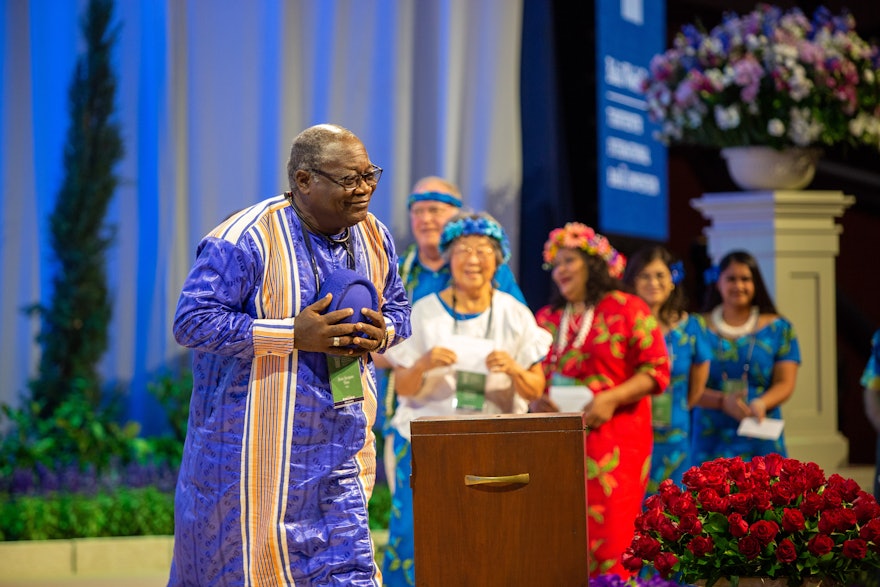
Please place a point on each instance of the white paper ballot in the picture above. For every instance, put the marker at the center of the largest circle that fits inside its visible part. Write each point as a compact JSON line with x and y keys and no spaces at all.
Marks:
{"x":571,"y":398}
{"x":471,"y":352}
{"x":769,"y":429}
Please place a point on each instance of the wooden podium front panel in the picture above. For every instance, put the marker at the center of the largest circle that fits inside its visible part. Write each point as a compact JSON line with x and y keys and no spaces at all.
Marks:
{"x":510,"y":533}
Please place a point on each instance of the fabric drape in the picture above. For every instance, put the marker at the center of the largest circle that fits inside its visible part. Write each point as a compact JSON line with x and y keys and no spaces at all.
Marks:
{"x":210,"y":94}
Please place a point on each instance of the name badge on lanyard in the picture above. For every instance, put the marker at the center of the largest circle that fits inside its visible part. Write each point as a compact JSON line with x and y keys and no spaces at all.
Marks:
{"x":470,"y":390}
{"x":661,"y":410}
{"x":345,"y":380}
{"x":345,"y":372}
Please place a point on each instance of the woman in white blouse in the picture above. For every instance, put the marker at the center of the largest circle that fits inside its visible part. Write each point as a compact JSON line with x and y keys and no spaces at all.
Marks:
{"x":473,"y":349}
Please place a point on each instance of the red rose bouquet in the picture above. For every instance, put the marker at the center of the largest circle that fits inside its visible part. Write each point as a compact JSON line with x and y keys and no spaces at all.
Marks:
{"x":770,"y":517}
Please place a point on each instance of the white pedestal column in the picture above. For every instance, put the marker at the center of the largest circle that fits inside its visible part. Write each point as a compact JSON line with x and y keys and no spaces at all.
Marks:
{"x":794,"y":237}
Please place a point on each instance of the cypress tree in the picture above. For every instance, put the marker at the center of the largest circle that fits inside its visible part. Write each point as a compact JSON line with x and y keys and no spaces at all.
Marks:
{"x":73,"y":332}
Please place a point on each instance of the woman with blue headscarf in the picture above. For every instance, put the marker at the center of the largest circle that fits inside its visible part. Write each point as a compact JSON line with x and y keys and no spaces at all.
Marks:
{"x":474,"y":349}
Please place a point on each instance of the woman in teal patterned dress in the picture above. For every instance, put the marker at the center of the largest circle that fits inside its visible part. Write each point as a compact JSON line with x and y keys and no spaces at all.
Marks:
{"x":655,"y":275}
{"x":755,"y":358}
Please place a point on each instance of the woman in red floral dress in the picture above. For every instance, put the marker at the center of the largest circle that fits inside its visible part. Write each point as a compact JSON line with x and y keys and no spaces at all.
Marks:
{"x":609,"y":355}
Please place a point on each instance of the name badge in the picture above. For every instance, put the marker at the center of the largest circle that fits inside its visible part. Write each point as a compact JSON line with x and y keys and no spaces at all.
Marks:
{"x":661,"y":410}
{"x":345,"y":380}
{"x":735,"y":386}
{"x":470,"y":391}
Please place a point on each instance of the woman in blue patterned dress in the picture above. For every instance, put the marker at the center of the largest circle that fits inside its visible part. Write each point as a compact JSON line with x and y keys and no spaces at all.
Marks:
{"x":871,"y":384}
{"x":654,"y":274}
{"x":755,"y":359}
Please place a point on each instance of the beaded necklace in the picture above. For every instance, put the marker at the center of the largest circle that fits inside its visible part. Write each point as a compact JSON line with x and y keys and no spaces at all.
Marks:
{"x":728,"y":331}
{"x":583,"y":331}
{"x":733,"y":333}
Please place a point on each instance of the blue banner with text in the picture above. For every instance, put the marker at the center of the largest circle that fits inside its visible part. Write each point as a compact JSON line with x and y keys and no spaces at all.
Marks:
{"x":632,"y":170}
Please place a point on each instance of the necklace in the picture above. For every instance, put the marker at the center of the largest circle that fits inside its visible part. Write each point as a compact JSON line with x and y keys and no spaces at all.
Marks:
{"x":728,"y":331}
{"x":582,"y":331}
{"x":342,"y":240}
{"x":306,"y":228}
{"x":456,"y":317}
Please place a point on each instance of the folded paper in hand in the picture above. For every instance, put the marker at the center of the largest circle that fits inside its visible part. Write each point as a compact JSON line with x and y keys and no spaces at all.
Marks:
{"x":768,"y":429}
{"x":571,"y":398}
{"x":471,"y":352}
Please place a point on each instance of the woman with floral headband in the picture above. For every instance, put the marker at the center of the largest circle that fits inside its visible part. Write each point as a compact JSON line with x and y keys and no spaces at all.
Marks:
{"x":607,"y":357}
{"x":473,"y":349}
{"x":755,"y":358}
{"x":656,"y":277}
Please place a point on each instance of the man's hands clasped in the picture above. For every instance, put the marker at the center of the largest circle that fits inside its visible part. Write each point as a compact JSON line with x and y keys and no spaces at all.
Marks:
{"x":321,"y":332}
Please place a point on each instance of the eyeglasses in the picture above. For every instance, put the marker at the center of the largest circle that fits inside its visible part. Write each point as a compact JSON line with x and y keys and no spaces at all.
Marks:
{"x":432,"y":211}
{"x":482,"y":253}
{"x":648,"y":277}
{"x":351,"y":182}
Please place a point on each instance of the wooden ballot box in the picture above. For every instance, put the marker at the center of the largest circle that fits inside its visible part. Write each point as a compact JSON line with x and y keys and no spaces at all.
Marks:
{"x":500,"y":500}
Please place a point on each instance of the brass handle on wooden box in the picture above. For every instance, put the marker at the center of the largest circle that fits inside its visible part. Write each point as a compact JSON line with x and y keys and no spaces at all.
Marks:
{"x":522,"y":479}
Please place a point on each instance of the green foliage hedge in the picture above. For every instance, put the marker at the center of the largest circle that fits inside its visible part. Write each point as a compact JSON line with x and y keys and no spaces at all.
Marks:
{"x":126,"y":512}
{"x":144,"y":511}
{"x":380,"y":507}
{"x":79,"y":475}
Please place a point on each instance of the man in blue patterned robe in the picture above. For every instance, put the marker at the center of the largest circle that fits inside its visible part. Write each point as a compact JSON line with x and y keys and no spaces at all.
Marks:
{"x":276,"y":474}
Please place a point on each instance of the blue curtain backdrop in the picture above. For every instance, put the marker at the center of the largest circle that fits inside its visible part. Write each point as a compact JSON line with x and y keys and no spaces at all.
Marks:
{"x":210,"y":94}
